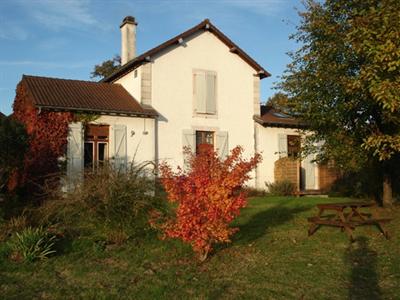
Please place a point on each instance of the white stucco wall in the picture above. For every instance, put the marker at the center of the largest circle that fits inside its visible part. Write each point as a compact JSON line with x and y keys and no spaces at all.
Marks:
{"x":132,"y":84}
{"x":172,"y":95}
{"x":267,"y":145}
{"x":140,"y":146}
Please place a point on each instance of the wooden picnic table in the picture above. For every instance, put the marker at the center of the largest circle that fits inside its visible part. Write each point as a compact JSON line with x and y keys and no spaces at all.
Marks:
{"x":347,"y":216}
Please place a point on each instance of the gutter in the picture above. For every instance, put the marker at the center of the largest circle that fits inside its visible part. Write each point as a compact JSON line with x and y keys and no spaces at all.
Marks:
{"x":102,"y":111}
{"x":260,"y":121}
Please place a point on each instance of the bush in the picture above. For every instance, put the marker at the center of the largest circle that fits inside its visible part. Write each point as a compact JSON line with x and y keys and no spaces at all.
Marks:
{"x":15,"y":224}
{"x":14,"y":144}
{"x":208,"y":197}
{"x":281,"y":188}
{"x":110,"y":203}
{"x":253,"y":192}
{"x":32,"y":244}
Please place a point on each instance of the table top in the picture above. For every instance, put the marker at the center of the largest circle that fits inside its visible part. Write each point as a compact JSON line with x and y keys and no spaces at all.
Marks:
{"x":345,"y":204}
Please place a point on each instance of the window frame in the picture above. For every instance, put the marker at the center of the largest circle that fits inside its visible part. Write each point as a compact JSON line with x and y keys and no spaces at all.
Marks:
{"x":204,"y":132}
{"x":290,"y":148}
{"x":97,"y":134}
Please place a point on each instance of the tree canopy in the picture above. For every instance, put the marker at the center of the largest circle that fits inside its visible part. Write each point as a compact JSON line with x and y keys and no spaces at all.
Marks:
{"x":106,"y":68}
{"x":344,"y":81}
{"x":278,"y":101}
{"x":14,"y":143}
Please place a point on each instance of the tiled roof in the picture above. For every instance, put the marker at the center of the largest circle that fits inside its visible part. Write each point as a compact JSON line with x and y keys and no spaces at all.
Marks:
{"x":274,"y":118}
{"x":204,"y":25}
{"x":66,"y":94}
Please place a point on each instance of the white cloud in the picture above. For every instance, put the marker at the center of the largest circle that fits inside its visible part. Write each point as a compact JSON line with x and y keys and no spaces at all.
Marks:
{"x":57,"y":14}
{"x":46,"y":64}
{"x":11,"y":31}
{"x":51,"y":44}
{"x":261,"y":7}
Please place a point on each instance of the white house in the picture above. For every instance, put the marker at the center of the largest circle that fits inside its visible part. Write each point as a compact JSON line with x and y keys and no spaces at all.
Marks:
{"x":198,"y":87}
{"x":203,"y":86}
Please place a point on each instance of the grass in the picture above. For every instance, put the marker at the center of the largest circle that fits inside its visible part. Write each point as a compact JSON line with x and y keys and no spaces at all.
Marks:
{"x":270,"y":258}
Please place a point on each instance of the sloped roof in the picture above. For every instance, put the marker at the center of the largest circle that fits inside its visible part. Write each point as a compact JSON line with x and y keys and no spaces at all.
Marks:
{"x":271,"y":117}
{"x":79,"y":95}
{"x":2,"y":115}
{"x":204,"y":25}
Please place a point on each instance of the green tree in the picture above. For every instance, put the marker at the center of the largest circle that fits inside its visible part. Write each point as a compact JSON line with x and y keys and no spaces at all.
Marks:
{"x":344,"y":81}
{"x":278,"y":101}
{"x":106,"y":68}
{"x":14,"y":143}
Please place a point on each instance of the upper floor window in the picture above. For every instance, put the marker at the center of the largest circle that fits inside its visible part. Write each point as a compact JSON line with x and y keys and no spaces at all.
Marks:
{"x":204,"y":92}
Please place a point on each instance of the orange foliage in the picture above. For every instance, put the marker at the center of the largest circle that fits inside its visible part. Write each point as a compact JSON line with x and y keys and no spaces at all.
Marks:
{"x":208,"y":195}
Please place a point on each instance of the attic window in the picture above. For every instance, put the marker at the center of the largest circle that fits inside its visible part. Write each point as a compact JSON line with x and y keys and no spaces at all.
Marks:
{"x":135,"y":73}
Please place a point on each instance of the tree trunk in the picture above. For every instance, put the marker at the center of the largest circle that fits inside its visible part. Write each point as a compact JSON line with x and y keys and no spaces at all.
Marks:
{"x":387,"y":197}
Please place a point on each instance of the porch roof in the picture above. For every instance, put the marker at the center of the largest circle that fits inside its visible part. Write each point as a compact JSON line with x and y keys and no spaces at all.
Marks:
{"x":88,"y":96}
{"x":271,"y":117}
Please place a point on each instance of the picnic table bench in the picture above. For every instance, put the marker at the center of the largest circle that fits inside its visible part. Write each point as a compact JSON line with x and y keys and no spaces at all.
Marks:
{"x":347,"y":216}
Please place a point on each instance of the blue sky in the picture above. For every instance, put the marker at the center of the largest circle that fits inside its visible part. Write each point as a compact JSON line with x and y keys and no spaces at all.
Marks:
{"x":66,"y":38}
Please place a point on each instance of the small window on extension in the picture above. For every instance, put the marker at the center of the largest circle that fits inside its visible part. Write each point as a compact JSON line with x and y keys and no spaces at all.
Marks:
{"x":293,"y":146}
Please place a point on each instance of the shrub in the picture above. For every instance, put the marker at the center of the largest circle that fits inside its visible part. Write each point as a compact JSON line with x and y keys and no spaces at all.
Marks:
{"x":32,"y":244}
{"x":13,"y":225}
{"x":281,"y":188}
{"x":107,"y":202}
{"x":14,"y":144}
{"x":253,"y":192}
{"x":208,"y":197}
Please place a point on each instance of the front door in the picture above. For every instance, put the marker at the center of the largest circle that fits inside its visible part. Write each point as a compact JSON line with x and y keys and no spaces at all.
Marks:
{"x":308,"y":173}
{"x":96,"y":145}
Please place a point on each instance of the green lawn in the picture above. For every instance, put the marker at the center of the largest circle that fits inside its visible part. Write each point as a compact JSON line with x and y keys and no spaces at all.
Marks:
{"x":270,"y":258}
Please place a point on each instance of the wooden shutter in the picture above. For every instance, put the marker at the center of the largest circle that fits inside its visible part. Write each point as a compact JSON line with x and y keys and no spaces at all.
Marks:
{"x":200,"y":90}
{"x":120,"y":151}
{"x":74,"y":154}
{"x":222,"y":144}
{"x":211,"y":104}
{"x":282,"y":145}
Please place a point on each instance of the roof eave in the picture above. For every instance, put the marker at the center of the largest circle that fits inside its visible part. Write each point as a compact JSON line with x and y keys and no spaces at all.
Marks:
{"x":204,"y":25}
{"x":264,"y":123}
{"x":101,"y":111}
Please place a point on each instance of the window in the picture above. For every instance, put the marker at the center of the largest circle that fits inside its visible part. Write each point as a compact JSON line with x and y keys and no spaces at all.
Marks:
{"x":96,"y":145}
{"x":204,"y":137}
{"x":204,"y":92}
{"x":293,"y":146}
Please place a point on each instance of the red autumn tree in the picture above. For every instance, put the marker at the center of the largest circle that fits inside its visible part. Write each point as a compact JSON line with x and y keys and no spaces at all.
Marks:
{"x":208,"y":195}
{"x":48,"y":131}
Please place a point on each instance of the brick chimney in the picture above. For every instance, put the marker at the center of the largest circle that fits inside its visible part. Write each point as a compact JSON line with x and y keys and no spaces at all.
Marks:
{"x":128,"y":39}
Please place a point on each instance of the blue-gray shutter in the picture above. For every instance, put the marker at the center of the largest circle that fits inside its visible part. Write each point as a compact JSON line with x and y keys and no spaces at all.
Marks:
{"x":211,"y":103}
{"x":200,"y":91}
{"x":282,"y":145}
{"x":222,"y":144}
{"x":74,"y":154}
{"x":120,"y":145}
{"x":189,"y":141}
